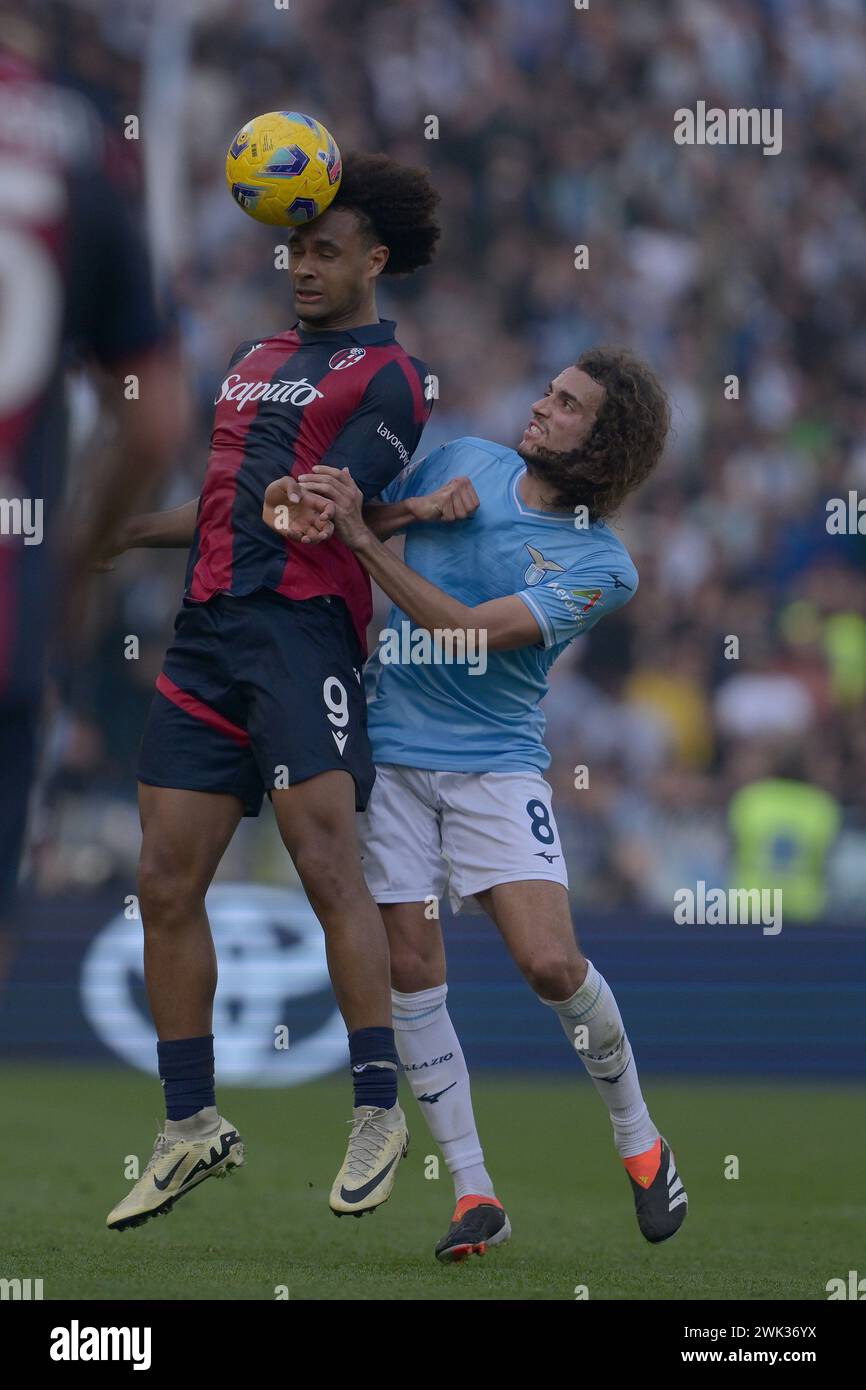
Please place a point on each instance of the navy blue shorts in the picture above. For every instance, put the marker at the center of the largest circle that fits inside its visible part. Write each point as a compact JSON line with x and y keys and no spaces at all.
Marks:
{"x":259,"y":692}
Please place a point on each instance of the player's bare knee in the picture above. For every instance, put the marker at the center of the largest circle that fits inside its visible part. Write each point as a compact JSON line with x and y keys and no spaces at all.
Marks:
{"x":168,"y":894}
{"x":554,"y":974}
{"x":413,"y":970}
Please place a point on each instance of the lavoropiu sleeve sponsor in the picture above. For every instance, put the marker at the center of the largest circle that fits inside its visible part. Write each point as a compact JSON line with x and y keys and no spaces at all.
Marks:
{"x":378,"y":440}
{"x":568,"y":602}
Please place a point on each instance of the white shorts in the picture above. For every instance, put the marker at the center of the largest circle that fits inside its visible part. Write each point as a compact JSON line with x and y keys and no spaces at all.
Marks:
{"x":423,"y":832}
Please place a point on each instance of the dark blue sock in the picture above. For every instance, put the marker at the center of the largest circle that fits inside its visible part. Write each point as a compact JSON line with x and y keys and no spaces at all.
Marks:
{"x":187,"y":1071}
{"x":374,"y":1066}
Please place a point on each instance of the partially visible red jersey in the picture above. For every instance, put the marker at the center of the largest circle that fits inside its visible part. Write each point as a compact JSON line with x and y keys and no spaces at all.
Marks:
{"x":74,"y":278}
{"x":349,"y":398}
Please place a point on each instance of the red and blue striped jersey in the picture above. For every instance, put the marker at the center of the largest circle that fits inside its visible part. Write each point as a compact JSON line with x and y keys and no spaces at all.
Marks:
{"x":74,"y":282}
{"x":351,"y":398}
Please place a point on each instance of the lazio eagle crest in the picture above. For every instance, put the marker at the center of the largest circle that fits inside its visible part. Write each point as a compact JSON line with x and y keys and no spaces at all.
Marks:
{"x":540,"y":567}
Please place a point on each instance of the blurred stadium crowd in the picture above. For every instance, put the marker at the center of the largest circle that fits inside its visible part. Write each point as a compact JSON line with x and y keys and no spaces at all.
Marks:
{"x":556,"y":129}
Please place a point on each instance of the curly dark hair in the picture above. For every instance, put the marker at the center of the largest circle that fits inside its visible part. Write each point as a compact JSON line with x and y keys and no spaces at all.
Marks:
{"x":626,"y":440}
{"x":395,"y":204}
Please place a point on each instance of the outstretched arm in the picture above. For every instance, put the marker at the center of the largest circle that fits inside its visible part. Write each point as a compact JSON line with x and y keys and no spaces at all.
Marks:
{"x":161,"y":530}
{"x":508,"y":622}
{"x":309,"y":520}
{"x":173,"y":529}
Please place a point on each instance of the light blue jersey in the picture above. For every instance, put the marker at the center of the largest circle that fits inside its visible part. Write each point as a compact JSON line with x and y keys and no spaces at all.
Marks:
{"x":442,"y":717}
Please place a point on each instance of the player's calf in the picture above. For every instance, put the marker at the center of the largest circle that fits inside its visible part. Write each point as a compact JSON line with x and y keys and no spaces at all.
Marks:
{"x":317,"y":824}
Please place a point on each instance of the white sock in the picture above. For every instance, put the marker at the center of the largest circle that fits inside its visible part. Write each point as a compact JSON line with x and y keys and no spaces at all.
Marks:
{"x":607,"y":1056}
{"x":435,"y":1067}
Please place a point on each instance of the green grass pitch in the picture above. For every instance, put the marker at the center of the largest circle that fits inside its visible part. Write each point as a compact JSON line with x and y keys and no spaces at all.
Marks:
{"x":793,"y":1219}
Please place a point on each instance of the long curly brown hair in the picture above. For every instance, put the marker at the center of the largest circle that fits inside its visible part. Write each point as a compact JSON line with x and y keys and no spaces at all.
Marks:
{"x":626,"y":440}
